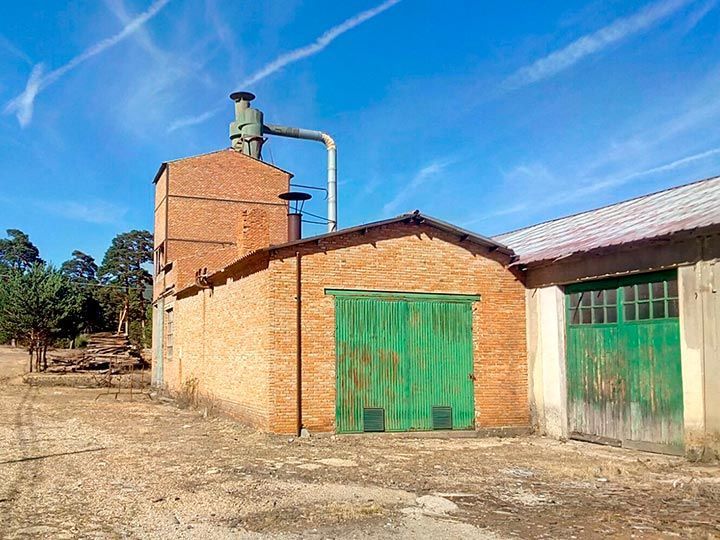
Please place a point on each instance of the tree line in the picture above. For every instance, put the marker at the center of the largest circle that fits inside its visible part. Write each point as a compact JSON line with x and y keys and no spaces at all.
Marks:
{"x":43,"y":306}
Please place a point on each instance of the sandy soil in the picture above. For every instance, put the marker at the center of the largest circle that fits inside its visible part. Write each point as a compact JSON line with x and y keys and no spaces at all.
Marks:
{"x":73,"y":466}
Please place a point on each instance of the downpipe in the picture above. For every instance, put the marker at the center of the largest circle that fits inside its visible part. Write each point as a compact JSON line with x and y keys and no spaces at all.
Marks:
{"x":298,"y":337}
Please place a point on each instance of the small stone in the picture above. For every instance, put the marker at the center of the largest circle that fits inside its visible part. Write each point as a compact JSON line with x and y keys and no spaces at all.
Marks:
{"x":436,"y":505}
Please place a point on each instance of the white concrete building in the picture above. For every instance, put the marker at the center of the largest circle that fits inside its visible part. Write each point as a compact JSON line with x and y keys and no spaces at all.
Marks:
{"x":623,"y":320}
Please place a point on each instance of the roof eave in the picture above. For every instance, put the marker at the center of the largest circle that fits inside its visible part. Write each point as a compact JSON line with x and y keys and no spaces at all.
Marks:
{"x":158,"y":174}
{"x":415,"y":217}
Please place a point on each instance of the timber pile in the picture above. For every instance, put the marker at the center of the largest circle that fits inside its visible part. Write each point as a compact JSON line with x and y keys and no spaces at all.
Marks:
{"x":105,"y":352}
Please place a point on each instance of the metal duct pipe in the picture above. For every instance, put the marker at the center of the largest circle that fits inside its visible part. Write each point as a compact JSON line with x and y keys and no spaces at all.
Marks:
{"x":294,"y":226}
{"x":327,"y":140}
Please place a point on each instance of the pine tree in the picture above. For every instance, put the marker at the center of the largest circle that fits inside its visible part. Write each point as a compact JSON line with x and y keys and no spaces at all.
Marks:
{"x":81,"y":268}
{"x":82,"y":271}
{"x":38,"y":305}
{"x":17,"y":252}
{"x":124,"y":268}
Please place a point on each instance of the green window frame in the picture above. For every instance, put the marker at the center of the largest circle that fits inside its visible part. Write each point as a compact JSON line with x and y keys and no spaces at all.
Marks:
{"x":598,"y":306}
{"x":638,"y":298}
{"x":651,"y":300}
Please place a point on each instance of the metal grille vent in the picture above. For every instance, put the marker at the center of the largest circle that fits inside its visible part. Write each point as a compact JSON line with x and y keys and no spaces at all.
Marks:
{"x":373,"y":419}
{"x":442,"y":417}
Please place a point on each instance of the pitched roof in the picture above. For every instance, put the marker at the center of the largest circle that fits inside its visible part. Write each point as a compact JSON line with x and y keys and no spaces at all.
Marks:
{"x":417,"y":218}
{"x":413,"y":218}
{"x":221,"y":151}
{"x":683,"y":208}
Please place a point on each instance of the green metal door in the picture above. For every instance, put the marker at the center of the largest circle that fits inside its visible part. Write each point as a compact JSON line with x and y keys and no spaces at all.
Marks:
{"x":623,"y":362}
{"x":404,"y":362}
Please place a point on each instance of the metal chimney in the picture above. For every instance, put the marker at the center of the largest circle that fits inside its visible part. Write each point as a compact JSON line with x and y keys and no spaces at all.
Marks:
{"x":246,"y":131}
{"x":295,"y":201}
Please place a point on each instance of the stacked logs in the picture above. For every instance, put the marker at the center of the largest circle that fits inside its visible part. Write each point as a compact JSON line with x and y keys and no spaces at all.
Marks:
{"x":105,"y":352}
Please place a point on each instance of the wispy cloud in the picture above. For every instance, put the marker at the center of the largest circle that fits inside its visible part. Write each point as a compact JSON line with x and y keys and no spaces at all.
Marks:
{"x":97,"y":212}
{"x":293,"y":56}
{"x":22,"y":105}
{"x":699,"y":14}
{"x":223,"y":31}
{"x":9,"y":47}
{"x":422,"y":177}
{"x":589,"y":186}
{"x":141,"y":35}
{"x":593,"y":43}
{"x":602,"y":185}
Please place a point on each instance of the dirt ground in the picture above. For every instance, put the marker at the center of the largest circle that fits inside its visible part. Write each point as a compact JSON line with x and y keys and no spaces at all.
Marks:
{"x":73,"y":466}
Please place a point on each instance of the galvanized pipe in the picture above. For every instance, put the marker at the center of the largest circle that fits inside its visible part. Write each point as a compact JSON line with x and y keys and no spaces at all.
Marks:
{"x":327,"y":140}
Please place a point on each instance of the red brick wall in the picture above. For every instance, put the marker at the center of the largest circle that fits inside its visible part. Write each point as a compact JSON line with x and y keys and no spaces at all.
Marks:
{"x":239,"y":340}
{"x":205,"y":201}
{"x":390,"y":260}
{"x":223,"y":185}
{"x":222,"y":339}
{"x":186,"y":268}
{"x":253,"y":231}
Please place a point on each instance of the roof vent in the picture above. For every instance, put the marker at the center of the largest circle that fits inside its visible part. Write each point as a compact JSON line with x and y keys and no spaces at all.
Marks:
{"x":295,"y":202}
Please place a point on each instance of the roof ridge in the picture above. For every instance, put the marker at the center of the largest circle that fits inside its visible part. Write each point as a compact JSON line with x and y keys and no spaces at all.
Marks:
{"x":576,"y":214}
{"x":226,"y":149}
{"x":198,"y":155}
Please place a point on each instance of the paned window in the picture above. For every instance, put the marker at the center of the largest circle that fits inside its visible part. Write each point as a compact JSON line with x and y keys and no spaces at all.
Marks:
{"x":645,"y":301}
{"x":593,"y":307}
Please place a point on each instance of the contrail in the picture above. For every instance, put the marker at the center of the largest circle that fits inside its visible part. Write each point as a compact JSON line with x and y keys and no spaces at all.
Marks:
{"x":595,"y":42}
{"x":13,"y":50}
{"x":22,"y":105}
{"x":424,"y":175}
{"x":598,"y":186}
{"x":293,"y":56}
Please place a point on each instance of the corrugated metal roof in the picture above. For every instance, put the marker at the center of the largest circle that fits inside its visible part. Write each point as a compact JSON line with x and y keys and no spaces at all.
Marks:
{"x":673,"y":210}
{"x":415,"y":217}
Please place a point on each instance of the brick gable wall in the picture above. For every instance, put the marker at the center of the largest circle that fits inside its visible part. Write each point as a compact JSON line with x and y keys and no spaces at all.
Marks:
{"x":390,"y":259}
{"x":239,"y":339}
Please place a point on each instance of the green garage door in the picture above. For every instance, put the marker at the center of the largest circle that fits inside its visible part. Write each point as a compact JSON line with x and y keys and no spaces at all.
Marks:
{"x":623,"y":362}
{"x":404,"y":362}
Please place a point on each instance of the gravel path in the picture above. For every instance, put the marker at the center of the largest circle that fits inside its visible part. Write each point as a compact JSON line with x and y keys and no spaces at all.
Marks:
{"x":73,"y":466}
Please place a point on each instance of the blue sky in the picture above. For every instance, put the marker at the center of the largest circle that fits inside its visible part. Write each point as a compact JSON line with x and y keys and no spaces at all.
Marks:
{"x":491,"y":115}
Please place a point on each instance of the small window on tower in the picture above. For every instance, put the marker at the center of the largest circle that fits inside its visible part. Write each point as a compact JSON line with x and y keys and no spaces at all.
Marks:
{"x":169,"y":329}
{"x":159,"y":259}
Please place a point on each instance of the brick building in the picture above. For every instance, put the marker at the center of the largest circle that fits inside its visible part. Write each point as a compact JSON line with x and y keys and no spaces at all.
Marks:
{"x":601,"y":326}
{"x":400,"y":325}
{"x":235,"y":332}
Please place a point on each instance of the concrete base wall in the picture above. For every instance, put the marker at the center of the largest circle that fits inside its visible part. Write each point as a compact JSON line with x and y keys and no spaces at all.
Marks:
{"x":700,"y":348}
{"x":546,"y":360}
{"x":156,"y":377}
